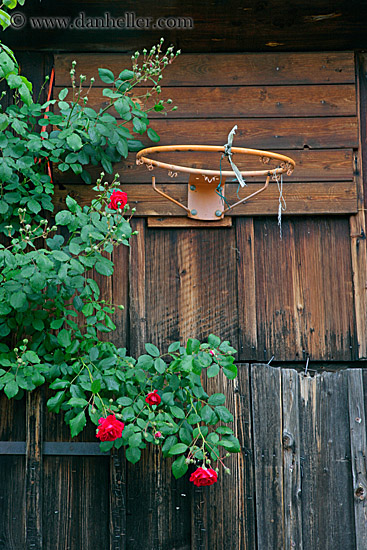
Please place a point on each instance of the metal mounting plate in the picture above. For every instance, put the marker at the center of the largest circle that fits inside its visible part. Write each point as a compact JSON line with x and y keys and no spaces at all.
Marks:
{"x":203,"y":201}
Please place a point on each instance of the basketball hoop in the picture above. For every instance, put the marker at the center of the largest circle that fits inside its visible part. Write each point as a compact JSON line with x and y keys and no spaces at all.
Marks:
{"x":206,"y":188}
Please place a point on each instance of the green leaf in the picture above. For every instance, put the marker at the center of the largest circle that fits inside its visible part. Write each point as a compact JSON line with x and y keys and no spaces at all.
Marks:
{"x":232,"y":445}
{"x":96,"y":386}
{"x":64,"y":338}
{"x":177,"y":449}
{"x":18,"y":300}
{"x":214,"y":341}
{"x":59,"y":384}
{"x":170,"y":441}
{"x":107,"y":77}
{"x":152,"y":135}
{"x":217,"y":399}
{"x":230,"y":371}
{"x":11,"y":389}
{"x":193,"y":418}
{"x":126,"y":75}
{"x":206,"y":413}
{"x":133,"y":454}
{"x":78,"y":402}
{"x":223,"y":414}
{"x":63,"y":94}
{"x":104,"y":267}
{"x":31,"y":356}
{"x":74,"y":142}
{"x":152,"y":350}
{"x":174,"y":347}
{"x":77,"y":424}
{"x":33,"y":206}
{"x":124,"y":401}
{"x":159,"y":365}
{"x":212,"y":371}
{"x":179,"y":467}
{"x":54,"y":403}
{"x":106,"y":446}
{"x":57,"y":323}
{"x":177,"y":412}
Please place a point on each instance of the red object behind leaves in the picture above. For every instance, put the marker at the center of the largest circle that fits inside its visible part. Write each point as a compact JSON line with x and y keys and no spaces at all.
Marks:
{"x":153,"y":398}
{"x":203,"y":477}
{"x":118,"y":200}
{"x":109,"y":428}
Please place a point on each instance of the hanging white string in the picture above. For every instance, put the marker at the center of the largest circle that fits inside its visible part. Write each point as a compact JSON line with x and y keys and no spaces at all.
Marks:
{"x":282,"y":204}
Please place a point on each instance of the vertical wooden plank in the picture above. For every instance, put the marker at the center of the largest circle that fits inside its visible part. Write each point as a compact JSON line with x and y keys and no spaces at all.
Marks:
{"x":266,"y":385}
{"x":291,"y":461}
{"x":304,"y":303}
{"x":358,"y":222}
{"x":357,"y":423}
{"x":137,"y":294}
{"x":117,"y":494}
{"x":223,"y":514}
{"x":120,"y":295}
{"x":12,"y":471}
{"x":158,"y":506}
{"x":327,"y":500}
{"x":246,"y":288}
{"x":191,"y":284}
{"x":76,"y":503}
{"x":34,"y":469}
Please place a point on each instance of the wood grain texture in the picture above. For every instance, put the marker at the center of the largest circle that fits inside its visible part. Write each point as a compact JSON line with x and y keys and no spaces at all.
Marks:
{"x":308,"y":308}
{"x":34,"y":470}
{"x":266,"y":386}
{"x":221,"y":511}
{"x":292,"y":468}
{"x":358,"y":222}
{"x":137,"y":290}
{"x":187,"y":222}
{"x":76,"y":503}
{"x":12,"y":475}
{"x":243,"y":102}
{"x":158,"y":506}
{"x":327,"y":500}
{"x":117,"y":494}
{"x":190,"y":285}
{"x":226,"y":70}
{"x":311,"y":166}
{"x":246,"y":287}
{"x":358,"y":442}
{"x":269,"y":134}
{"x":306,"y":198}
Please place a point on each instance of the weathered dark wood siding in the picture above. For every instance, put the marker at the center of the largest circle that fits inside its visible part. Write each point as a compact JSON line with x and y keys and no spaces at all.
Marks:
{"x":300,"y":479}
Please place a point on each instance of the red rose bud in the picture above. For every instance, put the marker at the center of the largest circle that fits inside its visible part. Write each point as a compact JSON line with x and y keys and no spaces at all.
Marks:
{"x":118,"y":200}
{"x":153,"y":398}
{"x":109,"y":428}
{"x":157,"y":435}
{"x":203,"y":477}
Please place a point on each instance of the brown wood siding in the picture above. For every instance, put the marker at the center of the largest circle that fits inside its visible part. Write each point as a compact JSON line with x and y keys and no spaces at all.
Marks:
{"x":303,"y":105}
{"x":299,"y":481}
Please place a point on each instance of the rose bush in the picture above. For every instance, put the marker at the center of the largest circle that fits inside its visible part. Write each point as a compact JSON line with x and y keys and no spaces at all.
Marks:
{"x":51,"y":311}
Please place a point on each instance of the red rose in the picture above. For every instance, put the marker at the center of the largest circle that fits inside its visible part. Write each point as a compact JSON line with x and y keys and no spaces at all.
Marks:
{"x":202,"y":477}
{"x":118,"y":200}
{"x":153,"y":398}
{"x":109,"y":428}
{"x":157,"y":435}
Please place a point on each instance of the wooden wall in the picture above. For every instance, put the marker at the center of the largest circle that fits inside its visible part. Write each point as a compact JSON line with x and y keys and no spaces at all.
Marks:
{"x":300,"y":479}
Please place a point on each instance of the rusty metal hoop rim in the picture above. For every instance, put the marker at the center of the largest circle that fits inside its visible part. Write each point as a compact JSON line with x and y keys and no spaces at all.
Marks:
{"x":287,"y":167}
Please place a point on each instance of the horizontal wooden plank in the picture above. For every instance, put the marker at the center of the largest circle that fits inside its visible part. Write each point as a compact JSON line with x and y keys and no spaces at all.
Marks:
{"x":245,"y":102}
{"x":225,"y":69}
{"x":311,"y":165}
{"x":307,"y":198}
{"x":270,"y":133}
{"x":176,"y":221}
